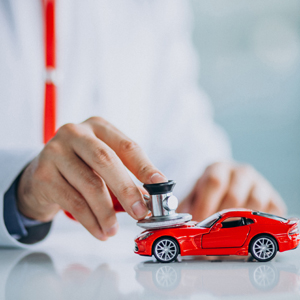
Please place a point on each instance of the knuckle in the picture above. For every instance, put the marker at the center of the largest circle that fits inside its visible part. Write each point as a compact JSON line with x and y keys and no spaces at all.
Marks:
{"x":97,"y":209}
{"x":144,"y":171}
{"x":52,"y":148}
{"x":128,"y":145}
{"x":78,"y":204}
{"x":210,"y":168}
{"x":255,"y":202}
{"x":245,"y":170}
{"x":128,"y":191}
{"x":68,"y":129}
{"x":104,"y":157}
{"x":213,"y":181}
{"x":215,"y":166}
{"x":42,"y":174}
{"x":108,"y":219}
{"x":96,"y":119}
{"x":94,"y":184}
{"x":232,"y":199}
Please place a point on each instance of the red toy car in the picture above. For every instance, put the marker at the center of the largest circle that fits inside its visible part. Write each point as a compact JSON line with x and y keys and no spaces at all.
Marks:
{"x":229,"y":232}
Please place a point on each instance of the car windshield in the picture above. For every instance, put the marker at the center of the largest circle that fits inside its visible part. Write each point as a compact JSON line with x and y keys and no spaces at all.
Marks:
{"x":258,"y":213}
{"x":210,"y":221}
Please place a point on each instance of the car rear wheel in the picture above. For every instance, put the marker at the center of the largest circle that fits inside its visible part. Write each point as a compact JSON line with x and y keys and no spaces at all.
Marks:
{"x":263,"y":248}
{"x":165,"y":250}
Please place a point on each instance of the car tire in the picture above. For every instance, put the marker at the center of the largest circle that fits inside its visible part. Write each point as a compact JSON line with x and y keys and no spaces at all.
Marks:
{"x":263,"y":248}
{"x":165,"y":249}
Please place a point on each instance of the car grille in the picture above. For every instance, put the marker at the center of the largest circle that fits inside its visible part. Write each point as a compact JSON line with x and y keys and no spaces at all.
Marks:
{"x":136,"y":248}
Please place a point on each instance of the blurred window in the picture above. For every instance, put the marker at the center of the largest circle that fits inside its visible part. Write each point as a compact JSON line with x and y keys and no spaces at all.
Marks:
{"x":249,"y":221}
{"x":233,"y":222}
{"x":210,"y":221}
{"x":258,"y":213}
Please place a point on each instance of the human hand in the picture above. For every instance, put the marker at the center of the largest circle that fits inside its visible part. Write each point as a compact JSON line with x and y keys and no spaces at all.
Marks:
{"x":230,"y":185}
{"x":75,"y":170}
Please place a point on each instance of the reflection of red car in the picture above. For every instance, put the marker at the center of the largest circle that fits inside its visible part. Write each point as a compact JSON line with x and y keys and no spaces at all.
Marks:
{"x":233,"y":278}
{"x":229,"y":232}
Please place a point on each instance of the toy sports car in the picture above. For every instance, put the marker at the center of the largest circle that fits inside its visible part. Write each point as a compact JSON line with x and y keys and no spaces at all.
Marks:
{"x":229,"y":232}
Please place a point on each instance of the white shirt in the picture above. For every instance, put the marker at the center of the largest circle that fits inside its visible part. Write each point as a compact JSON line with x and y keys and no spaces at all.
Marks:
{"x":131,"y":62}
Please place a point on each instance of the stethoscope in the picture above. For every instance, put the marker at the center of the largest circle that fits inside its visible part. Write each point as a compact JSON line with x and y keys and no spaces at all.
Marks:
{"x":161,"y":202}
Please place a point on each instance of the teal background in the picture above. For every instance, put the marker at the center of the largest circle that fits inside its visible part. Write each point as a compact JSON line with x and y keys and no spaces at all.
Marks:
{"x":250,"y":67}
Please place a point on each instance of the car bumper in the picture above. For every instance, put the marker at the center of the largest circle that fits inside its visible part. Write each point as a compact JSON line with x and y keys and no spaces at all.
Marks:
{"x":290,"y":243}
{"x":142,"y":248}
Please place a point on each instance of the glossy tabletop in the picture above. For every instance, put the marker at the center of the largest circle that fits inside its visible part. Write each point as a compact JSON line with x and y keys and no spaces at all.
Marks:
{"x":71,"y":264}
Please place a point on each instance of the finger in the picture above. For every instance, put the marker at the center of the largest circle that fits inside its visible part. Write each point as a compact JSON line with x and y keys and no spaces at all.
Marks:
{"x":93,"y":189}
{"x":185,"y":206}
{"x":107,"y":164}
{"x":70,"y":200}
{"x":258,"y":198}
{"x":143,"y":190}
{"x":211,"y":188}
{"x":130,"y":153}
{"x":276,"y":205}
{"x":240,"y":185}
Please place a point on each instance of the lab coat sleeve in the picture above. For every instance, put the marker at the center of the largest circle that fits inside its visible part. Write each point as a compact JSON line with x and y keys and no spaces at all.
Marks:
{"x":186,"y":138}
{"x":12,"y":162}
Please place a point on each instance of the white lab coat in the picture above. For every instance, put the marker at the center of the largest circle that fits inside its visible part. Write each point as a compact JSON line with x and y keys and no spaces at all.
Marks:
{"x":131,"y":62}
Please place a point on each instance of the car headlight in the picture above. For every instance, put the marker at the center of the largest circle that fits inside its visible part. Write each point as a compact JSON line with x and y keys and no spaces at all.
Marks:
{"x":145,"y":236}
{"x":136,"y":248}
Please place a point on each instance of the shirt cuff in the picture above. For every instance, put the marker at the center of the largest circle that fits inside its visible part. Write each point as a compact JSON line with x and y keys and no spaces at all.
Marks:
{"x":20,"y":227}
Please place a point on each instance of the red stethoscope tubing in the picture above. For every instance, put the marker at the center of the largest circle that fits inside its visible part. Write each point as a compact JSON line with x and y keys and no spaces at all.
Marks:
{"x":50,"y":66}
{"x":50,"y":86}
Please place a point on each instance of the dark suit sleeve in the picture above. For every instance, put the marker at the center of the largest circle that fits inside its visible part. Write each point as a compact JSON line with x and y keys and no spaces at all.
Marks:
{"x":23,"y":229}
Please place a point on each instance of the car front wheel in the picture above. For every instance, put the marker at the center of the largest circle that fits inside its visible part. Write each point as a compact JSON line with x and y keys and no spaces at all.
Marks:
{"x":263,"y":248}
{"x":166,"y":250}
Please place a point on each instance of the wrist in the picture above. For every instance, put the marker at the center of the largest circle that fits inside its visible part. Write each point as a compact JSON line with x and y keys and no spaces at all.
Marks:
{"x":31,"y":207}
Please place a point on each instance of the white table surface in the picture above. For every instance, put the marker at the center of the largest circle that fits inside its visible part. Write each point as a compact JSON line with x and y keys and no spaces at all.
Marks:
{"x":71,"y":264}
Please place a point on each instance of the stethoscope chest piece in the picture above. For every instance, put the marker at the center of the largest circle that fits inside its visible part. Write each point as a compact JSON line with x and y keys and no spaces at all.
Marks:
{"x":162,"y":204}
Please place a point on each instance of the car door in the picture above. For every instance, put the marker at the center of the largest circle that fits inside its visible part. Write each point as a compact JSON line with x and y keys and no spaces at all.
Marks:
{"x":227,"y":233}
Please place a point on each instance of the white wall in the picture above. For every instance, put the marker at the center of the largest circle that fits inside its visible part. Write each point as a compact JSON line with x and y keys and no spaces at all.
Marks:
{"x":250,"y":66}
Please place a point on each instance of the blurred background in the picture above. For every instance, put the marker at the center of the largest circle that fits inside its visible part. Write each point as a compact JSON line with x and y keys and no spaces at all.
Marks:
{"x":250,"y":67}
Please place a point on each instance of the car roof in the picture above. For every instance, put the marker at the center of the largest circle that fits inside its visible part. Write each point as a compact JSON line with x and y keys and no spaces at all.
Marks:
{"x":236,"y":212}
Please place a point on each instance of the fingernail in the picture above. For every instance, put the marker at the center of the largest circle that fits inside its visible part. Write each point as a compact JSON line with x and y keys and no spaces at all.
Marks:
{"x":112,"y":230}
{"x":139,"y":209}
{"x":158,"y":178}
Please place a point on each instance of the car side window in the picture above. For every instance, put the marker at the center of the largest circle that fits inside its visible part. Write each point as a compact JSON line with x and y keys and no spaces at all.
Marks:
{"x":249,"y":221}
{"x":233,"y":222}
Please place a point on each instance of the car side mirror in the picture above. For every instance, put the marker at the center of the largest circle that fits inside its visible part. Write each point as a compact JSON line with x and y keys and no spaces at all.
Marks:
{"x":217,"y":227}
